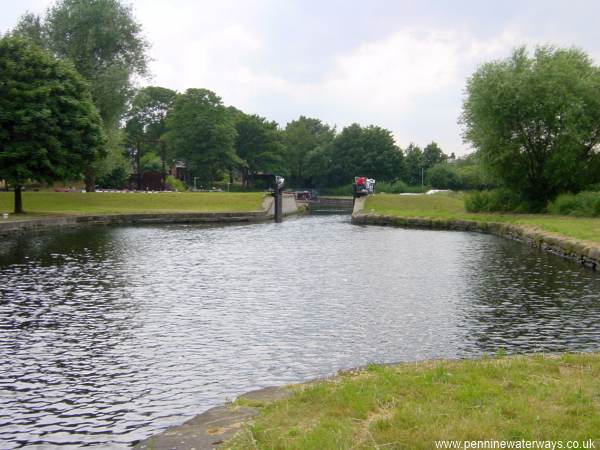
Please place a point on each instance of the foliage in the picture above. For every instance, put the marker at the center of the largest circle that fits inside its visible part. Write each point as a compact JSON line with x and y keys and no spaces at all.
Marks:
{"x":433,"y":155}
{"x":414,"y":164}
{"x":49,"y":127}
{"x":444,"y":176}
{"x":396,"y":187}
{"x":176,"y":184}
{"x":146,"y":125}
{"x":414,"y":405}
{"x":104,"y":42}
{"x":304,"y":138}
{"x":114,"y":170}
{"x":368,"y":151}
{"x":202,"y":133}
{"x":535,"y":121}
{"x":259,"y":145}
{"x":150,"y":162}
{"x":498,"y":200}
{"x":114,"y":179}
{"x":582,"y":204}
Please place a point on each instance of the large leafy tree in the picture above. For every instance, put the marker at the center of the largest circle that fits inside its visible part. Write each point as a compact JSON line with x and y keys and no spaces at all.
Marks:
{"x":104,"y":42}
{"x":369,"y":151}
{"x":146,"y":124}
{"x":259,"y":145}
{"x":303,"y":136}
{"x":414,"y":164}
{"x":49,"y":126}
{"x":432,"y":155}
{"x":202,"y":133}
{"x":535,"y":121}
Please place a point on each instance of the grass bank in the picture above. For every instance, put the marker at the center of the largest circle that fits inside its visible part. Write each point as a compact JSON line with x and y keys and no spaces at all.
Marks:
{"x":451,"y":207}
{"x":43,"y":204}
{"x":414,"y":405}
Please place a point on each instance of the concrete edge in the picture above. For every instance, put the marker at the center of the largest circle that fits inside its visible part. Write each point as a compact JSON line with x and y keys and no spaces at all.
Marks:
{"x":12,"y":228}
{"x":582,"y":252}
{"x":215,"y":426}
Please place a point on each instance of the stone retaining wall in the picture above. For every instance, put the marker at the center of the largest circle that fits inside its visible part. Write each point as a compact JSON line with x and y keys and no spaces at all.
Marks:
{"x":8,"y":228}
{"x":581,"y":252}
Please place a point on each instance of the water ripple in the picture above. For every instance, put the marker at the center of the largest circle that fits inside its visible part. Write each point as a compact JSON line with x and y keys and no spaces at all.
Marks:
{"x":109,"y":335}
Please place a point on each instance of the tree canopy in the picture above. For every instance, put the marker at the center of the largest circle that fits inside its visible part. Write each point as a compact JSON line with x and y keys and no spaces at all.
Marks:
{"x":49,"y":126}
{"x":104,"y":42}
{"x":202,"y":133}
{"x":369,"y":151}
{"x":535,"y":121}
{"x":259,"y":145}
{"x":303,"y":136}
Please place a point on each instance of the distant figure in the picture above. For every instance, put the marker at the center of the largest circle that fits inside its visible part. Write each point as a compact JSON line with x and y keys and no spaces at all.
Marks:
{"x":370,"y":185}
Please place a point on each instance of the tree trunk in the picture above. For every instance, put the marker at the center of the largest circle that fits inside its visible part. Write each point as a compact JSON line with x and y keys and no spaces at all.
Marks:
{"x":18,"y":200}
{"x":90,"y":179}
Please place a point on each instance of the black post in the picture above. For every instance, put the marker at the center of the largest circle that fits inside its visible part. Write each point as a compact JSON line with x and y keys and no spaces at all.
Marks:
{"x":278,"y":205}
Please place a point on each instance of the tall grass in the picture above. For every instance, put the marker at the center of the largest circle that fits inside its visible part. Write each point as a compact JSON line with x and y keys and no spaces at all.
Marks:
{"x":586,"y":204}
{"x":498,"y":200}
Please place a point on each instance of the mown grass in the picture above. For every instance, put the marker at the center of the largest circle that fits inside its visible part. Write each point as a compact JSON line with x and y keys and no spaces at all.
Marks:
{"x":413,"y":405}
{"x":451,"y":206}
{"x":39,"y":204}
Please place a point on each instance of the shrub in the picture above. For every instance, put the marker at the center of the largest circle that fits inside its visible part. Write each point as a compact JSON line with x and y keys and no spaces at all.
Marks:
{"x":444,"y":176}
{"x":397,"y":187}
{"x":176,"y":184}
{"x":583,"y":204}
{"x":498,"y":200}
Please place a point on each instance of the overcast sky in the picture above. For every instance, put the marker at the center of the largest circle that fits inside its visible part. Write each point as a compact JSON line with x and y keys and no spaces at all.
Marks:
{"x":398,"y":64}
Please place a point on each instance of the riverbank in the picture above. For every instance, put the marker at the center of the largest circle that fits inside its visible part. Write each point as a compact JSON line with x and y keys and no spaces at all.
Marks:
{"x":411,"y":405}
{"x":574,"y":238}
{"x":57,"y":209}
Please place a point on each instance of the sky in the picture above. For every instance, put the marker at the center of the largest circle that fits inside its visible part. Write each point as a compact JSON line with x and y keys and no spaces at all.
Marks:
{"x":401,"y":65}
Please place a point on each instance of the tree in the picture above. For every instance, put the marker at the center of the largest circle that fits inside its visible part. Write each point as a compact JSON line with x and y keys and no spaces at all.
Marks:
{"x":104,"y":42}
{"x":202,"y":133}
{"x":414,"y":164}
{"x":146,"y":124}
{"x":49,"y":126}
{"x":443,"y":176}
{"x":302,"y":136}
{"x":369,"y":151}
{"x":432,"y":155}
{"x":535,"y":121}
{"x":259,"y":145}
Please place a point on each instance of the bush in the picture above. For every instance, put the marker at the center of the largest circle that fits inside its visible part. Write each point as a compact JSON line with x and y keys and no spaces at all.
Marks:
{"x":176,"y":184}
{"x":444,"y":176}
{"x":498,"y":200}
{"x":397,"y":187}
{"x":582,"y":204}
{"x":338,"y":191}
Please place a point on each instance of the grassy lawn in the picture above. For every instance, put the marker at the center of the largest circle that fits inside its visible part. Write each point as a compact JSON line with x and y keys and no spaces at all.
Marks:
{"x":39,"y":204}
{"x":413,"y":405}
{"x":451,"y":206}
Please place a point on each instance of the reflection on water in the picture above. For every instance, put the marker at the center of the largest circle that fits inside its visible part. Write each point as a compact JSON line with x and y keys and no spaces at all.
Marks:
{"x":108,"y":335}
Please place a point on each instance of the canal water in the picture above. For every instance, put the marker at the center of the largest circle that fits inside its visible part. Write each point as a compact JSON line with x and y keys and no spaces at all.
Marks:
{"x":109,"y":335}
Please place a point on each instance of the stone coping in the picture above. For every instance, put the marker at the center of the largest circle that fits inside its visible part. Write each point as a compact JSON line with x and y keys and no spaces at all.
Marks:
{"x":215,"y":426}
{"x":585,"y":253}
{"x":20,"y":226}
